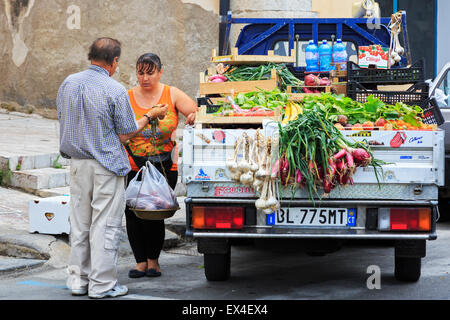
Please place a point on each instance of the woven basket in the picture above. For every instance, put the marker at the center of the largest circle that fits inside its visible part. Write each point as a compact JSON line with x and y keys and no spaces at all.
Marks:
{"x":155,"y":214}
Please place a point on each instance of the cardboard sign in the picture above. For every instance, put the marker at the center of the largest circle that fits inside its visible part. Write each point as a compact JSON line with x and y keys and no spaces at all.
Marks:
{"x":373,"y":55}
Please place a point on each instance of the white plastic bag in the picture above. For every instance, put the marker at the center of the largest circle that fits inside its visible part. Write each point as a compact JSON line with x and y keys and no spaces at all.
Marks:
{"x":149,"y":190}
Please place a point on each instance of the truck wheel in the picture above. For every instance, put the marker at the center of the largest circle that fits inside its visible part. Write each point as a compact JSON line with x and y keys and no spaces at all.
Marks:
{"x":407,"y":269}
{"x":217,"y":266}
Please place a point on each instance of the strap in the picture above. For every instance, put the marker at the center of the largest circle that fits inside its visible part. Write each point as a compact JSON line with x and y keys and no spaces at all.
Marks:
{"x":136,"y":161}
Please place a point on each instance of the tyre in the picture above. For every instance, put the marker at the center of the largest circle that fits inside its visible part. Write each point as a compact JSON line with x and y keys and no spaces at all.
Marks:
{"x":217,"y":266}
{"x":407,"y":269}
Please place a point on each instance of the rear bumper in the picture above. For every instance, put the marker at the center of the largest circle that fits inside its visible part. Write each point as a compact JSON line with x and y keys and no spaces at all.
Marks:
{"x":303,"y":233}
{"x":287,"y":232}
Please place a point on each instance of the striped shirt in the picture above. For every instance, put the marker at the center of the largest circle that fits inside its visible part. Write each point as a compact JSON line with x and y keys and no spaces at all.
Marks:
{"x":93,"y":109}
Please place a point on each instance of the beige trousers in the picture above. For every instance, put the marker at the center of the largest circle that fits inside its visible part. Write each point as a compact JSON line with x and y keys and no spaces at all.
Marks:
{"x":97,"y":205}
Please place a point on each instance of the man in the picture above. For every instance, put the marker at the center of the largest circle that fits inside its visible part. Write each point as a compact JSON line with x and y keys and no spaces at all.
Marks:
{"x":95,"y":119}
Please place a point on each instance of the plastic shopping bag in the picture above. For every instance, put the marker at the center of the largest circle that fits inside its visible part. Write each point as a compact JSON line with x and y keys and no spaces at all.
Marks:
{"x":149,"y":190}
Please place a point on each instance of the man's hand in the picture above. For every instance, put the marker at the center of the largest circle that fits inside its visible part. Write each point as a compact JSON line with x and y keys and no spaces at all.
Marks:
{"x":190,"y":119}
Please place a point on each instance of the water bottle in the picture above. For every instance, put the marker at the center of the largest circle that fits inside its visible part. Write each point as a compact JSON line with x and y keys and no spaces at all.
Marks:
{"x":312,"y":57}
{"x":340,"y":54}
{"x":325,"y":56}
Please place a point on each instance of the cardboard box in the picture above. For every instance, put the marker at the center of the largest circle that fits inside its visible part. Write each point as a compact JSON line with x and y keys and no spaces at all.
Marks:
{"x":373,"y":55}
{"x":49,"y":215}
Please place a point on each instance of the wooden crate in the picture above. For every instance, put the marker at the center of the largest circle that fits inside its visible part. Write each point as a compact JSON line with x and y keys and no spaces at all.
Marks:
{"x":235,"y":87}
{"x":339,"y":88}
{"x":300,"y":96}
{"x":235,"y":58}
{"x":327,"y":89}
{"x":204,"y":118}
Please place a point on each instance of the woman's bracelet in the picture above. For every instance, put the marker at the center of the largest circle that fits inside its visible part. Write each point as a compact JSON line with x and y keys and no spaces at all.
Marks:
{"x":148,"y":118}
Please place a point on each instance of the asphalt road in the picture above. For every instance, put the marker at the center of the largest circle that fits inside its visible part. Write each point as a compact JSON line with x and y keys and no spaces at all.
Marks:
{"x":259,"y":274}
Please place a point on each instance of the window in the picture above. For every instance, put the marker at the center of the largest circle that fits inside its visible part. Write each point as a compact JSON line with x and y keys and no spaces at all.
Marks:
{"x":282,"y":48}
{"x":442,"y":92}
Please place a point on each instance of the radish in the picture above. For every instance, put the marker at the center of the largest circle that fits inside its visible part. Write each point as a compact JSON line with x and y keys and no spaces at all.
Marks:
{"x":324,"y":82}
{"x":342,"y":120}
{"x":275,"y":169}
{"x":332,"y":166}
{"x":339,"y":155}
{"x":312,"y":80}
{"x":350,"y":162}
{"x":320,"y":173}
{"x":327,"y":186}
{"x":362,"y":157}
{"x":218,"y":78}
{"x":340,"y":165}
{"x":298,"y":176}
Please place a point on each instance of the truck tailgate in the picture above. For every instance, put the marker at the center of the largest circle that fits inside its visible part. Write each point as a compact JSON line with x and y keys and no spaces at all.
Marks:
{"x":416,"y":165}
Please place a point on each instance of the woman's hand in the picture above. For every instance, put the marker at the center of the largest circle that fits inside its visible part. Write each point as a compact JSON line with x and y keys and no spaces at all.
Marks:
{"x":158,"y":112}
{"x":190,"y":119}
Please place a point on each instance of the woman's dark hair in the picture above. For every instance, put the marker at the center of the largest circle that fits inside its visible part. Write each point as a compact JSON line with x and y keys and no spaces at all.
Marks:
{"x":104,"y":49}
{"x":148,"y":63}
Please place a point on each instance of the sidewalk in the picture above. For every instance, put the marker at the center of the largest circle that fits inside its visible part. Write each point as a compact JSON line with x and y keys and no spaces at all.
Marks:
{"x":23,"y":136}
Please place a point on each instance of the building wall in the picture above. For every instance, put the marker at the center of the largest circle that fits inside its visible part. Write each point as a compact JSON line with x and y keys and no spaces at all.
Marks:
{"x":333,"y":8}
{"x":443,"y":44}
{"x":43,"y":41}
{"x":268,"y":9}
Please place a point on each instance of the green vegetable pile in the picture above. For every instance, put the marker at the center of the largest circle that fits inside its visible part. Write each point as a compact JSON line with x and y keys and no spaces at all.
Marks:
{"x":314,"y":154}
{"x":331,"y":106}
{"x":263,"y":72}
{"x":261,"y":98}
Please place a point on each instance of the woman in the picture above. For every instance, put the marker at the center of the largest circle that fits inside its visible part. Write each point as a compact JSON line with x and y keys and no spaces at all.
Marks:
{"x":147,"y":236}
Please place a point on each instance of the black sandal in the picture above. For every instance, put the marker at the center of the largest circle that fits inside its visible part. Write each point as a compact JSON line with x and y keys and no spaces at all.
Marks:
{"x":133,"y":273}
{"x":152,"y":273}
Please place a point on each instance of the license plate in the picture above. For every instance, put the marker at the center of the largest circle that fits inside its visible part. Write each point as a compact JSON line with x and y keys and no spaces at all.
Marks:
{"x":335,"y":217}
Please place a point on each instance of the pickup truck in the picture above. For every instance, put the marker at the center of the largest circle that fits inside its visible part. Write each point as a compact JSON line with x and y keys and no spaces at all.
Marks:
{"x":402,"y":209}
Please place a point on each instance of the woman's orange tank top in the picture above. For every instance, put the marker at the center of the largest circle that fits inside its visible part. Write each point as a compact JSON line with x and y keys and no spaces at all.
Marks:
{"x":143,"y":143}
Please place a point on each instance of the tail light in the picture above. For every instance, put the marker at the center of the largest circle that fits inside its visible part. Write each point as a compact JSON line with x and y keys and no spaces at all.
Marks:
{"x":404,"y":219}
{"x":217,"y":217}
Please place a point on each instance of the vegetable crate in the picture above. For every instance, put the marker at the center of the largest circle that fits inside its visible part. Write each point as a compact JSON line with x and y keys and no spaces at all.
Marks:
{"x":235,"y":58}
{"x":417,"y":94}
{"x":207,"y":118}
{"x":292,"y":89}
{"x":432,"y":113}
{"x":414,"y":74}
{"x":233,"y":87}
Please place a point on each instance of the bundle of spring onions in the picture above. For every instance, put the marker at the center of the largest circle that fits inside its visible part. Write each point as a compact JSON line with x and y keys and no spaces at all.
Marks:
{"x":263,"y":72}
{"x":314,"y":154}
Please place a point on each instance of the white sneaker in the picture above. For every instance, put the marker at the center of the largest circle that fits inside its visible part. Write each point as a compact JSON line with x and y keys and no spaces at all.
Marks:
{"x":80,"y":291}
{"x":117,"y":291}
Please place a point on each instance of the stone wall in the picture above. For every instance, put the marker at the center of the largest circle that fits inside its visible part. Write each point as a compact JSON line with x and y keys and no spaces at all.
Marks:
{"x":268,"y":9}
{"x":43,"y":41}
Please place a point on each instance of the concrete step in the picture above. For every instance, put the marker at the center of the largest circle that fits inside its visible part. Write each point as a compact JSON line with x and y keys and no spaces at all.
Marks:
{"x":32,"y":161}
{"x":38,"y":179}
{"x":53,"y":192}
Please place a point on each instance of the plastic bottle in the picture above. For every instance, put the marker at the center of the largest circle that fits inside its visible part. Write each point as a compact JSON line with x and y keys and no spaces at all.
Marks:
{"x":340,"y":54}
{"x":325,"y":56}
{"x":312,"y":57}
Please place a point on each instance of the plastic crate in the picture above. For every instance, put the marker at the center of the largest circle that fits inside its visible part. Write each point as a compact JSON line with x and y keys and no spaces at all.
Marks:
{"x":416,"y":95}
{"x":414,"y":74}
{"x":210,"y":106}
{"x":432,"y":113}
